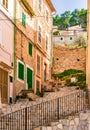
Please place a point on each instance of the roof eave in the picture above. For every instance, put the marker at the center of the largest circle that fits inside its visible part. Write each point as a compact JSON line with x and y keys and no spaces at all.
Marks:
{"x":28,"y":7}
{"x":51,"y":6}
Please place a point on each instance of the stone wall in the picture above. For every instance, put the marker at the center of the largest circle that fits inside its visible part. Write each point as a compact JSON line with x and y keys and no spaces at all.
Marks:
{"x":78,"y":122}
{"x":68,"y":58}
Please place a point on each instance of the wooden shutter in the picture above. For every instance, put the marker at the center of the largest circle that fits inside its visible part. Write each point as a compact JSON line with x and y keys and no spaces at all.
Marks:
{"x":29,"y":78}
{"x":30,"y":49}
{"x":23,"y":19}
{"x":20,"y":71}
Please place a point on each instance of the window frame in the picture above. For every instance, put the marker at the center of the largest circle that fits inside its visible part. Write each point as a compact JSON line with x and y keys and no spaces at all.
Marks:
{"x":5,"y":3}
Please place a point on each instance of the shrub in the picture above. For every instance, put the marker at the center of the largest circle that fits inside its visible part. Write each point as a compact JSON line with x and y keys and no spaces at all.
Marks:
{"x":56,"y":33}
{"x":80,"y":41}
{"x":68,"y":74}
{"x":38,"y":93}
{"x":24,"y":95}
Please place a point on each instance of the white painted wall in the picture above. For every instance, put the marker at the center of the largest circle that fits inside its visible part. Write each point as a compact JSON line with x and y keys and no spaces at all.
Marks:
{"x":10,"y":11}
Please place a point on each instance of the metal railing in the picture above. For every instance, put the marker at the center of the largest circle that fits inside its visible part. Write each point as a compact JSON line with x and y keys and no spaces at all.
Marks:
{"x":43,"y":113}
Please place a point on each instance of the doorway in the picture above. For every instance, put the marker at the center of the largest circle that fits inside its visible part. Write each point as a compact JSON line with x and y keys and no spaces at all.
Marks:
{"x":29,"y":78}
{"x":3,"y":86}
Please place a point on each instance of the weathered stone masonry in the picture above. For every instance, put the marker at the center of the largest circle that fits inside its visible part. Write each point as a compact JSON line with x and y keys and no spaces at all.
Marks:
{"x":66,"y":58}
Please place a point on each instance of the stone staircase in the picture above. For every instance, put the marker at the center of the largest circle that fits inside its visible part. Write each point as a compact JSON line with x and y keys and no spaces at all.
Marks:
{"x":42,"y":111}
{"x":80,"y":121}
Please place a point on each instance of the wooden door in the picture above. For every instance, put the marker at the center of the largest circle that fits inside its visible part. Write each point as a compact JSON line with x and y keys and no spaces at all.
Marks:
{"x":29,"y":78}
{"x":4,"y":86}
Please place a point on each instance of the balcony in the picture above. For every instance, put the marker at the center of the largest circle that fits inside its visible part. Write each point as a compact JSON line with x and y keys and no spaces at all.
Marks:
{"x":5,"y":58}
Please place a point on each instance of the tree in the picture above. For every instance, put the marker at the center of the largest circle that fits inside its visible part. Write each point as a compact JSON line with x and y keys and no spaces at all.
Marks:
{"x":77,"y":17}
{"x":56,"y":20}
{"x":74,"y":20}
{"x":65,"y":18}
{"x":83,"y":18}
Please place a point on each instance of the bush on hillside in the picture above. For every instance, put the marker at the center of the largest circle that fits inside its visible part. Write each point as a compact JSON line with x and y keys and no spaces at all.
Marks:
{"x":68,"y":74}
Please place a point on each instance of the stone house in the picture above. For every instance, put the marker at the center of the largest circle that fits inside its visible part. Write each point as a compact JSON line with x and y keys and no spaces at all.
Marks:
{"x":33,"y":48}
{"x":6,"y":50}
{"x":68,"y":36}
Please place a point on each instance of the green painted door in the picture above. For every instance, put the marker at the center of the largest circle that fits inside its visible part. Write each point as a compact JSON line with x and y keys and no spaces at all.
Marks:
{"x":29,"y":78}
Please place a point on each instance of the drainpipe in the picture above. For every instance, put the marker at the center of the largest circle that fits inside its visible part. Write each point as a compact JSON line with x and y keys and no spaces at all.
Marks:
{"x":88,"y":51}
{"x":14,"y":88}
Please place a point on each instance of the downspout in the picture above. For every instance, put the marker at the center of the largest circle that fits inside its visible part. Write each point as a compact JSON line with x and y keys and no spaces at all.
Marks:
{"x":14,"y":91}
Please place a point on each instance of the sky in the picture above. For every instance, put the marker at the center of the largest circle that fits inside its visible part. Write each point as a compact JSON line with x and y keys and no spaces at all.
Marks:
{"x":64,"y":5}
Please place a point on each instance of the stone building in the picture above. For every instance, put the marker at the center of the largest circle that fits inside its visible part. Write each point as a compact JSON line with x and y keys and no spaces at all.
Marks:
{"x":33,"y":48}
{"x":68,"y":36}
{"x":6,"y":50}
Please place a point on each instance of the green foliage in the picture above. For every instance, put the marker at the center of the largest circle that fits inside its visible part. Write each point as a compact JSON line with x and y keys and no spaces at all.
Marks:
{"x":68,"y":74}
{"x":77,"y":17}
{"x":24,"y":95}
{"x":38,"y":93}
{"x":56,"y":33}
{"x":80,"y":41}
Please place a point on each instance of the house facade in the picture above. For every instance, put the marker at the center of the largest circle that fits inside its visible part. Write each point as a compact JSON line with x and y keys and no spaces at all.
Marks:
{"x":67,"y":37}
{"x":32,"y":64}
{"x":6,"y":50}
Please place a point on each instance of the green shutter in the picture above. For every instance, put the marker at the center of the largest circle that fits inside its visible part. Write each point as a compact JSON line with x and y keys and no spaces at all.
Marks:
{"x":23,"y":19}
{"x":30,"y":49}
{"x":20,"y":71}
{"x":29,"y":78}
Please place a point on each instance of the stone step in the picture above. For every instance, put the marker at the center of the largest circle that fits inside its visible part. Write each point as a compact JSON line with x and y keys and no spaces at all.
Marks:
{"x":78,"y":122}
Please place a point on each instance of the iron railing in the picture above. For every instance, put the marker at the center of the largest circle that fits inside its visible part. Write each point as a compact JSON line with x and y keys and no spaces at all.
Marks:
{"x":43,"y":113}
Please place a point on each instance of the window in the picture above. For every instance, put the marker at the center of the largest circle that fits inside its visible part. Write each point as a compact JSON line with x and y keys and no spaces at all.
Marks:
{"x":30,"y":49}
{"x":40,"y":4}
{"x":20,"y":71}
{"x":37,"y":85}
{"x":71,"y":38}
{"x":23,"y":19}
{"x":5,"y":3}
{"x":62,"y":38}
{"x":38,"y":64}
{"x":45,"y":72}
{"x":39,"y":34}
{"x":47,"y":14}
{"x":46,"y":42}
